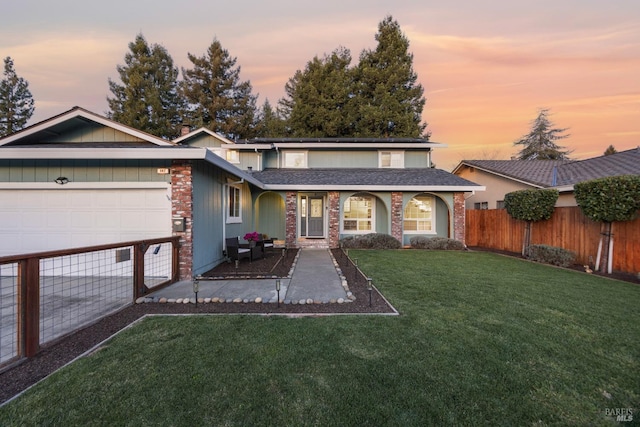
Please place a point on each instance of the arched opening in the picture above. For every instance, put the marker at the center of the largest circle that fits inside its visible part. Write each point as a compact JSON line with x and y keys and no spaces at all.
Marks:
{"x":270,"y":215}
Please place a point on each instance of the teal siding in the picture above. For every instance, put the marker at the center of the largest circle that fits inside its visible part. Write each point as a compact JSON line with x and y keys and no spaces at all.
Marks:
{"x":208,"y":221}
{"x":83,"y":170}
{"x":270,"y":214}
{"x":342,"y":159}
{"x":203,"y":140}
{"x":416,"y":159}
{"x":92,"y":132}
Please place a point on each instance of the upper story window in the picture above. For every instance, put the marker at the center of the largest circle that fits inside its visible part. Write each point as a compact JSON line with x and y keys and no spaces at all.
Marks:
{"x":234,"y":204}
{"x":233,"y":156}
{"x":419,"y":215}
{"x":295,"y":159}
{"x":358,"y":214}
{"x":391,"y":159}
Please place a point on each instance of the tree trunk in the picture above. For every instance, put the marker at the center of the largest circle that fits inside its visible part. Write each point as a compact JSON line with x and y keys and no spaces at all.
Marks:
{"x":526,"y":242}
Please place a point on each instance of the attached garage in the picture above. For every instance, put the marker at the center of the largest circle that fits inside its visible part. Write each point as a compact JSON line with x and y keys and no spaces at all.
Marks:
{"x":34,"y":219}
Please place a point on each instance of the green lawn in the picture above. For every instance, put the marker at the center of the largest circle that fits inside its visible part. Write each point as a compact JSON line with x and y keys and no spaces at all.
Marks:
{"x":481,"y":340}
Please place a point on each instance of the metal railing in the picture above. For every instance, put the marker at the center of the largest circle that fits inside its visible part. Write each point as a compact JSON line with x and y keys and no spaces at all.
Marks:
{"x":47,"y":295}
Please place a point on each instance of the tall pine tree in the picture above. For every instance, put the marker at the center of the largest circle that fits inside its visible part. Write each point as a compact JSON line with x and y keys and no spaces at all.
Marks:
{"x":319,"y":99}
{"x":16,"y":101}
{"x":216,"y":97}
{"x":148,"y":97}
{"x":539,"y":143}
{"x":390,"y":101}
{"x":270,"y":122}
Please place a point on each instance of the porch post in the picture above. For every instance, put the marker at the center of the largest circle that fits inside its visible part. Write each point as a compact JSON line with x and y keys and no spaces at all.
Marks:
{"x":397,"y":212}
{"x":291,"y":222}
{"x":182,"y":207}
{"x":458,"y":216}
{"x":334,"y":219}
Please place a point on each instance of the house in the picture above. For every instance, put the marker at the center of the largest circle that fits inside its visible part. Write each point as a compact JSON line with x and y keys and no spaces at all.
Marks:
{"x":80,"y":179}
{"x":504,"y":176}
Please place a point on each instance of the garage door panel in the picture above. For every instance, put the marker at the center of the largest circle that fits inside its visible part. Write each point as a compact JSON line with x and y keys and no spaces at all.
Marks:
{"x":37,"y":220}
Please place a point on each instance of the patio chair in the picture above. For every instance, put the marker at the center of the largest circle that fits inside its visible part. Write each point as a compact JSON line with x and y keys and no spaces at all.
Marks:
{"x":235,"y":251}
{"x":265,"y":244}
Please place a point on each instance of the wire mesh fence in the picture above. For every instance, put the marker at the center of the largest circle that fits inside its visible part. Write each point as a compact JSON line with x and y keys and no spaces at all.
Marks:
{"x":48,"y":295}
{"x":9,"y":313}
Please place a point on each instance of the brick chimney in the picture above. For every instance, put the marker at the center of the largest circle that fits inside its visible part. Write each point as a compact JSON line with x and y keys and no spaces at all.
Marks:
{"x":185,"y":129}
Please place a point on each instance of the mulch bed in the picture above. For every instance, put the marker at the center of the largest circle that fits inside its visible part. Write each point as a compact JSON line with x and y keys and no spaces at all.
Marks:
{"x":21,"y":376}
{"x":618,"y":275}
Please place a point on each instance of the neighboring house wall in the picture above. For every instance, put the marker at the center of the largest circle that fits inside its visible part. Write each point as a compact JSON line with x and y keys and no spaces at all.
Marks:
{"x":496,"y":188}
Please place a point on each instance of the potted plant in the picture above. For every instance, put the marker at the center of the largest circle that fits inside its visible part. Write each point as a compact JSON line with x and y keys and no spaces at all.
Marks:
{"x":252,"y":238}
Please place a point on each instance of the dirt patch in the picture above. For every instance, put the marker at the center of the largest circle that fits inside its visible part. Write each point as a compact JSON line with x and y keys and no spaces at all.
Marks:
{"x":52,"y":357}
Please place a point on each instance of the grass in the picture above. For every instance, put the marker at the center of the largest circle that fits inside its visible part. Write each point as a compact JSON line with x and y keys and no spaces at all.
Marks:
{"x":481,"y":340}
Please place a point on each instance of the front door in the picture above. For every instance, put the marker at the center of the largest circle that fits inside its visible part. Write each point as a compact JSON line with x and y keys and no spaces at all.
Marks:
{"x":316,"y":217}
{"x":311,"y":216}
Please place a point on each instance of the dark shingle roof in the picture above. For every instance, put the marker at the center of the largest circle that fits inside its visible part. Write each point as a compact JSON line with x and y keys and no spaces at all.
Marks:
{"x":622,"y":163}
{"x":552,"y":173}
{"x":360,"y":177}
{"x":536,"y":172}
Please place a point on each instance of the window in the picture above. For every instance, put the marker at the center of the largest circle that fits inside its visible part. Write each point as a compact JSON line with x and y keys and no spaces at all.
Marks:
{"x":500,"y":204}
{"x":295,"y":159}
{"x":234,"y":212}
{"x":481,"y":205}
{"x":419,"y":215}
{"x":233,"y":156}
{"x":391,"y":159}
{"x":358,"y":214}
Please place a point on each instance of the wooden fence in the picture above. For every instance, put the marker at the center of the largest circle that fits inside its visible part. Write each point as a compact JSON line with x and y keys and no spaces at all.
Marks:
{"x":568,"y":228}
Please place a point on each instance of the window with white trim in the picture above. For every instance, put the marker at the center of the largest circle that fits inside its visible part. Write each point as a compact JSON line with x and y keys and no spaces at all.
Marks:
{"x":419,"y":215}
{"x":233,"y":156}
{"x":391,"y":159}
{"x":295,"y":159}
{"x":234,"y":204}
{"x":358,"y":215}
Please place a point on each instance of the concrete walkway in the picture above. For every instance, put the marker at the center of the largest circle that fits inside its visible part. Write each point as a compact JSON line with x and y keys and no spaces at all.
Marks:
{"x":314,"y":278}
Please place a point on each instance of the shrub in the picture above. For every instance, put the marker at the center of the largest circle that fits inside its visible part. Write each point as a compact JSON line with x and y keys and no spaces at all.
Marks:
{"x":440,"y":243}
{"x":551,"y":255}
{"x":615,"y":198}
{"x":370,"y":241}
{"x":531,"y":205}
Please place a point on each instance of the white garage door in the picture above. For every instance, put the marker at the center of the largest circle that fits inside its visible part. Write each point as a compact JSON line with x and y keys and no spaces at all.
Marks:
{"x":34,"y":220}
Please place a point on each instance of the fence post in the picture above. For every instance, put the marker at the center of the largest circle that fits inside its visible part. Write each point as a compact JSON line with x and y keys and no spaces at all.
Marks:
{"x":29,"y":277}
{"x":138,"y":270}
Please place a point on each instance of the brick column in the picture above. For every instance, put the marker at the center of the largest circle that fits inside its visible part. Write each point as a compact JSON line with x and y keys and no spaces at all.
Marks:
{"x":334,"y":219}
{"x":182,"y":206}
{"x":458,"y":217}
{"x":291,"y":206}
{"x":397,"y":213}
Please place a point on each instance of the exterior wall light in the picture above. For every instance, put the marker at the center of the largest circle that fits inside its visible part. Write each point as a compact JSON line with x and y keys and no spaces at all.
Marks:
{"x":369,"y":288}
{"x":62,"y":180}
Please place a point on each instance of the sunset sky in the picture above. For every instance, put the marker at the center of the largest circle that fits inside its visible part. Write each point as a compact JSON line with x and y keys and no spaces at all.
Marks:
{"x":486,"y":67}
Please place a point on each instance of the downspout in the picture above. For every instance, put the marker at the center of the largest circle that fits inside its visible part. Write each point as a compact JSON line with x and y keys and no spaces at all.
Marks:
{"x":554,"y":178}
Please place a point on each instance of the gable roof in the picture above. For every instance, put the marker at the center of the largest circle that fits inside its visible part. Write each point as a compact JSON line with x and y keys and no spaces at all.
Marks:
{"x":556,"y":173}
{"x":422,"y":179}
{"x":537,"y":173}
{"x":622,"y":163}
{"x":184,"y":139}
{"x":46,"y":130}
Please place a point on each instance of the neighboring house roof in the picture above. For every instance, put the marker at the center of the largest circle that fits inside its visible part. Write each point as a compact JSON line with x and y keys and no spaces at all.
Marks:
{"x":622,"y":163}
{"x":560,"y":173}
{"x":537,"y":173}
{"x":424,"y":179}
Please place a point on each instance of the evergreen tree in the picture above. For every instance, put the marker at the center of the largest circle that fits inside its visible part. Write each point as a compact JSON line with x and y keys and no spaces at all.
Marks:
{"x":16,"y":101}
{"x":390,"y":101}
{"x":270,"y":124}
{"x":610,"y":150}
{"x":216,"y":97}
{"x":539,"y":143}
{"x":318,"y":100}
{"x":148,"y":97}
